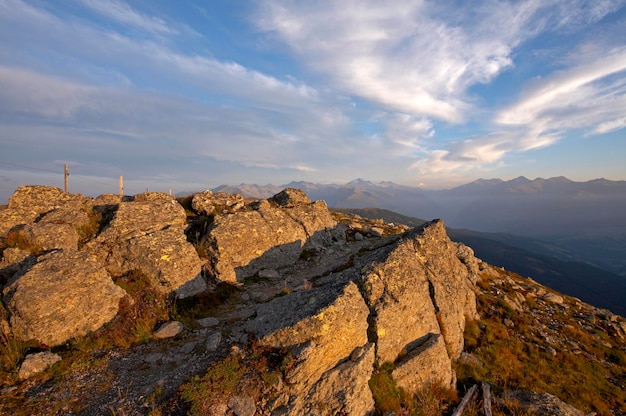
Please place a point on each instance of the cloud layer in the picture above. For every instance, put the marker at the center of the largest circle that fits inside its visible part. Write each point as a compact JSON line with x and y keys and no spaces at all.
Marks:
{"x":324,"y":91}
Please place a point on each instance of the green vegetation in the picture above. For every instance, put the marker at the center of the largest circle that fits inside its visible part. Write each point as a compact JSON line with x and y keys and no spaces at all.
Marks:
{"x":433,"y":400}
{"x":257,"y":370}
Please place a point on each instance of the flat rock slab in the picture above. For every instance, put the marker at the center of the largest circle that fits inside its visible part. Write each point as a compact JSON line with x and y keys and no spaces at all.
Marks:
{"x":36,"y":363}
{"x":168,"y":330}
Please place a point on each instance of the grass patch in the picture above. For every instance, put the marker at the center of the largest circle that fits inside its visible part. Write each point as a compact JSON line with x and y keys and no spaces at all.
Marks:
{"x":516,"y":357}
{"x":19,"y":239}
{"x":256,"y":371}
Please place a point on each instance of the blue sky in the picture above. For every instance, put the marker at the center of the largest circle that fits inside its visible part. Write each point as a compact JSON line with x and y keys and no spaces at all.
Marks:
{"x":190,"y":95}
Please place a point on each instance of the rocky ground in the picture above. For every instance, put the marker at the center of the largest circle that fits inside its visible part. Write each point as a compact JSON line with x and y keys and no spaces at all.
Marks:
{"x":418,"y":294}
{"x":144,"y":378}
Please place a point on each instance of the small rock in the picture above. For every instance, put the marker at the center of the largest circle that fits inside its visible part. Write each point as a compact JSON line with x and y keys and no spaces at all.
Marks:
{"x":168,"y":330}
{"x":509,"y":323}
{"x":553,"y":297}
{"x":242,"y":405}
{"x":153,"y":357}
{"x":550,"y":350}
{"x":269,"y":274}
{"x":213,"y":341}
{"x":188,"y":347}
{"x":208,"y":322}
{"x":358,"y":236}
{"x":36,"y":363}
{"x":376,"y":231}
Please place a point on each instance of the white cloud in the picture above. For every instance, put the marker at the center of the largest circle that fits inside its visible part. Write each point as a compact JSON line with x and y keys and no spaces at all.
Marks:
{"x":562,"y":89}
{"x":413,"y":56}
{"x":125,"y":14}
{"x":609,"y":126}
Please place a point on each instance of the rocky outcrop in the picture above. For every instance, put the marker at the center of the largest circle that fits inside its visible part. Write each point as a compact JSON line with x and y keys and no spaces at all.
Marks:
{"x":29,"y":202}
{"x":324,"y":328}
{"x":66,"y":294}
{"x":269,"y":234}
{"x":397,"y":304}
{"x":418,"y":288}
{"x":148,"y":234}
{"x":211,"y":203}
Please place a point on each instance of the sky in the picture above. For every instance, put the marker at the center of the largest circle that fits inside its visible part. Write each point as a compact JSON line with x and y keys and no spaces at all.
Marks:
{"x":189,"y":95}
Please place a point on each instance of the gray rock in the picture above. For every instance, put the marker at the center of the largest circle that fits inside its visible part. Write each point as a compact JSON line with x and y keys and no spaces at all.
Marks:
{"x":208,"y":322}
{"x":65,"y":295}
{"x":188,"y":347}
{"x":153,"y":357}
{"x":267,"y":237}
{"x":324,"y":326}
{"x":213,"y":341}
{"x":36,"y":363}
{"x":290,"y":197}
{"x":269,"y":274}
{"x":148,"y":235}
{"x":209,"y":203}
{"x":48,"y":236}
{"x":168,"y":330}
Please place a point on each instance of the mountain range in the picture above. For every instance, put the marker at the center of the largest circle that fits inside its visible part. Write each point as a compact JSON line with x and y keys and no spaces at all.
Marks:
{"x":568,"y":235}
{"x":571,"y":221}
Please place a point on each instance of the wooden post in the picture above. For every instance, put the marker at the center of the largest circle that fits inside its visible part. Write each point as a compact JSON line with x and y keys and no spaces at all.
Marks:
{"x":121,"y":186}
{"x":486,"y":398}
{"x":66,"y":174}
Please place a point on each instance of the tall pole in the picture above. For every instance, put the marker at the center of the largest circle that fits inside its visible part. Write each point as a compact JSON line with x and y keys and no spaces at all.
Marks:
{"x":66,"y":173}
{"x":121,"y":186}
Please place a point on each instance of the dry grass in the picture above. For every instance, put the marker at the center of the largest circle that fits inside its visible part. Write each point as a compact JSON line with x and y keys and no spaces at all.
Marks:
{"x":516,"y":357}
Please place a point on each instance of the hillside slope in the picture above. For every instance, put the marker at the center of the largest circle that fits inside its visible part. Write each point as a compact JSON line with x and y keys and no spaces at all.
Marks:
{"x":589,"y":283}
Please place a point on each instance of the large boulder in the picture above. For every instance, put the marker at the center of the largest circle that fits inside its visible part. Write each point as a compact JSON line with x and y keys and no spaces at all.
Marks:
{"x":29,"y":202}
{"x":416,"y":288}
{"x":326,"y":330}
{"x":148,"y":234}
{"x":66,"y":294}
{"x":267,"y":236}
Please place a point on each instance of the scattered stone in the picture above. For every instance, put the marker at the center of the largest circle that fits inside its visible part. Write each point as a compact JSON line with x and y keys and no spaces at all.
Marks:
{"x":188,"y":347}
{"x":168,"y":330}
{"x":36,"y":363}
{"x":153,"y":357}
{"x":553,"y":297}
{"x":550,"y":351}
{"x":213,"y":341}
{"x":269,"y":274}
{"x":208,"y":322}
{"x":358,"y":236}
